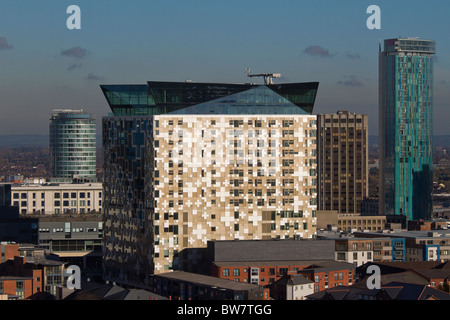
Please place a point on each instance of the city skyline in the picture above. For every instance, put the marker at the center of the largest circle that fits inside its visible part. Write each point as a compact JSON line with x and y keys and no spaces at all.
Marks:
{"x":47,"y":66}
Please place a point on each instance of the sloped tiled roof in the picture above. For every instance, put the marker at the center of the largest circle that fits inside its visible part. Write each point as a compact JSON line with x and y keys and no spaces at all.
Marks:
{"x":389,"y":291}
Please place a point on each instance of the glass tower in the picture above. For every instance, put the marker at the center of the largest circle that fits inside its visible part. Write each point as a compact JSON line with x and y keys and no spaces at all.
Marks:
{"x":72,"y":145}
{"x":405,"y":120}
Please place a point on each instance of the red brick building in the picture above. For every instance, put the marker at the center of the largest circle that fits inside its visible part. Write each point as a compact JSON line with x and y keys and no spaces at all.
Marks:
{"x":262,"y":273}
{"x":16,"y":287}
{"x":22,"y":279}
{"x":325,"y":274}
{"x":8,"y":251}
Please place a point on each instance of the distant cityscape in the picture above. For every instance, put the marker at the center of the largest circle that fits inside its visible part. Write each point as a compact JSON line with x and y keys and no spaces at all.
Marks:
{"x":214,"y":191}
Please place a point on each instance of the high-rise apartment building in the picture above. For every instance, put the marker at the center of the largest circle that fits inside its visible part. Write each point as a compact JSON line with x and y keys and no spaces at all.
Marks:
{"x":405,"y":120}
{"x":72,"y":145}
{"x":342,"y":161}
{"x":185,"y":163}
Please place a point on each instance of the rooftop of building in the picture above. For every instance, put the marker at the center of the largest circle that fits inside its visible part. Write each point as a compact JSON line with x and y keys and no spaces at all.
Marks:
{"x":410,"y":265}
{"x":426,"y":234}
{"x":101,"y":291}
{"x":2,"y":278}
{"x":270,"y":250}
{"x":70,"y":114}
{"x":55,"y":185}
{"x":343,"y":113}
{"x":413,"y":45}
{"x":388,"y":291}
{"x":200,"y":279}
{"x":64,"y":217}
{"x":294,"y":280}
{"x":158,"y":97}
{"x":317,"y":265}
{"x":278,"y":263}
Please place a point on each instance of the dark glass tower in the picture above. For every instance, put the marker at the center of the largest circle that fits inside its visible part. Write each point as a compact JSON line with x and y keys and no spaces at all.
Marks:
{"x":405,"y":119}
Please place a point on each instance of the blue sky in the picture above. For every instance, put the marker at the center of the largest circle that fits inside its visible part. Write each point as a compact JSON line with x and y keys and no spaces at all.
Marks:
{"x":44,"y":66}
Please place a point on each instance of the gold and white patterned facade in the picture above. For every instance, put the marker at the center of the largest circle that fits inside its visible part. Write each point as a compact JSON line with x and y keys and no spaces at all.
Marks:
{"x":225,"y":177}
{"x":173,"y":182}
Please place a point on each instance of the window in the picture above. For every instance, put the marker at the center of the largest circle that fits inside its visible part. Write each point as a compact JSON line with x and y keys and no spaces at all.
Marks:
{"x":225,"y":272}
{"x":19,"y":284}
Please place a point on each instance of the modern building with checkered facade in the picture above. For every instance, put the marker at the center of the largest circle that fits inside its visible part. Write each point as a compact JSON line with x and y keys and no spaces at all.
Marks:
{"x":186,"y":163}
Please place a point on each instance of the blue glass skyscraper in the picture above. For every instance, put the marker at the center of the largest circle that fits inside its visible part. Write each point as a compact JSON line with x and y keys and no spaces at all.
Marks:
{"x":405,"y":120}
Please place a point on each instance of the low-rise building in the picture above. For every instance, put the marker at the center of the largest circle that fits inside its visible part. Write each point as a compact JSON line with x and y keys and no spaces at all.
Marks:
{"x":21,"y":279}
{"x":180,"y":285}
{"x":74,"y":239}
{"x":419,"y":245}
{"x":328,"y":274}
{"x":354,"y":250}
{"x":267,"y":262}
{"x":431,"y":273}
{"x":57,"y":198}
{"x":292,"y":287}
{"x":16,"y":288}
{"x":350,"y":222}
{"x":390,"y":291}
{"x":263,"y":262}
{"x":428,"y":225}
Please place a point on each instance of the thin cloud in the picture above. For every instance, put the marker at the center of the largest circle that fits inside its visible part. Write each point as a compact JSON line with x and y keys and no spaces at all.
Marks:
{"x":74,"y":66}
{"x":75,"y":52}
{"x":351,"y":82}
{"x":94,"y":77}
{"x":318,"y":51}
{"x":352,"y":55}
{"x":4,"y":45}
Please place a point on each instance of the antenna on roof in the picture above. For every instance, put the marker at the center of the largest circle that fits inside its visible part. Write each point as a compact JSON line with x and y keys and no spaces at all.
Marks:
{"x":268,"y":77}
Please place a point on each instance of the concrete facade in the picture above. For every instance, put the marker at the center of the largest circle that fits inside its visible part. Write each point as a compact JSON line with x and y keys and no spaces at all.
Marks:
{"x":57,"y":198}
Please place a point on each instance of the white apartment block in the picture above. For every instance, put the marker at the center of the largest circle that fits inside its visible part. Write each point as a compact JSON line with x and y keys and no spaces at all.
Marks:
{"x":355,"y":251}
{"x":47,"y":199}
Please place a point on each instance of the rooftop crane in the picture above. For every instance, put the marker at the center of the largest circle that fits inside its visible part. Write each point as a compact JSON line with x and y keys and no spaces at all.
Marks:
{"x":268,"y":77}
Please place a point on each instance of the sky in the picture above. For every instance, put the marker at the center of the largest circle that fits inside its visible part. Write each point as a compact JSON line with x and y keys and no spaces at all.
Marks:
{"x":45,"y":66}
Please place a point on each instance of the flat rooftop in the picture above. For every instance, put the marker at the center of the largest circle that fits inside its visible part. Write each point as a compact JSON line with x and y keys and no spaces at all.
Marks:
{"x":208,"y":280}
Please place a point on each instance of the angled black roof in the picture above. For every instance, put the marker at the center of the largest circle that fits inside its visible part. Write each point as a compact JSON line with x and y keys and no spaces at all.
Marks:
{"x":159,"y":97}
